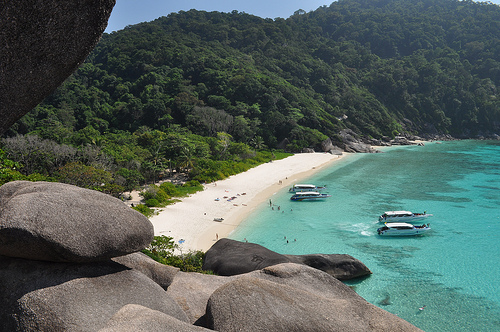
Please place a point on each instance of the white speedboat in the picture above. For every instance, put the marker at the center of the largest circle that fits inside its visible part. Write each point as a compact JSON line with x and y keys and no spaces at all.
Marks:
{"x":305,"y":187}
{"x":309,"y":196}
{"x":403,"y":216}
{"x":402,"y":229}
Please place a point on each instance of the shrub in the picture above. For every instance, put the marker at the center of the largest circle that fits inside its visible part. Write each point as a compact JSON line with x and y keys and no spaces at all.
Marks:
{"x":162,"y":250}
{"x":152,"y":202}
{"x":144,"y":210}
{"x":169,"y":188}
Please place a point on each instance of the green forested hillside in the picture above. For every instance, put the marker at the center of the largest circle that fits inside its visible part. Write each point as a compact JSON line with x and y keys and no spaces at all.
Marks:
{"x":378,"y":67}
{"x":388,"y":65}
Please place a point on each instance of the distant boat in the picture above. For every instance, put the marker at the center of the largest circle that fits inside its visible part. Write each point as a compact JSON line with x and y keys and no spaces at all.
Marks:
{"x":402,"y":229}
{"x":305,"y":187}
{"x":219,"y":219}
{"x":309,"y":196}
{"x":403,"y":216}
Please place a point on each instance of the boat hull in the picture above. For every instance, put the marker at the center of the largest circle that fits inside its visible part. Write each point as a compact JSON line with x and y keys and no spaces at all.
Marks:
{"x":403,"y":216}
{"x":409,"y":232}
{"x":402,"y":229}
{"x":404,"y":219}
{"x":300,"y":198}
{"x":305,"y":188}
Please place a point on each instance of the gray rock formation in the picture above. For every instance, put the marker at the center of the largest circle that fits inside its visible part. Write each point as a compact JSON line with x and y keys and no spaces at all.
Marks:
{"x":350,"y":142}
{"x":162,"y":274}
{"x":63,"y":223}
{"x":307,"y":279}
{"x":133,"y":317}
{"x":43,"y":42}
{"x":327,"y":146}
{"x":401,"y":140}
{"x":46,"y":296}
{"x":342,"y":267}
{"x":192,"y":291}
{"x":229,"y":257}
{"x":250,"y":303}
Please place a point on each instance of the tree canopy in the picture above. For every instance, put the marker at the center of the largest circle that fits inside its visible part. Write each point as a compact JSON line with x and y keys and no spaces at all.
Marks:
{"x":374,"y":66}
{"x":213,"y":86}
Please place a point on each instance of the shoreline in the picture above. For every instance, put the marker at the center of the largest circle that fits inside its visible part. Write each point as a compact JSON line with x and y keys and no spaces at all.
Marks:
{"x":190,"y":222}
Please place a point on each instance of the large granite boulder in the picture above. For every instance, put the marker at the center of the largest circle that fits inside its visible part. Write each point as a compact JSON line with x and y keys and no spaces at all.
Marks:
{"x":192,"y":291}
{"x":341,"y":266}
{"x":63,"y":223}
{"x":43,"y":42}
{"x":351,"y":142}
{"x":327,"y":146}
{"x":229,"y":257}
{"x":255,"y":304}
{"x":47,"y":296}
{"x":133,"y":317}
{"x":162,"y":274}
{"x":307,"y":279}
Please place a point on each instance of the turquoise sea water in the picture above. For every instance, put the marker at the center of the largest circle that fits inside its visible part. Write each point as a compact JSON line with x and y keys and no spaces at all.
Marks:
{"x":454,"y":270}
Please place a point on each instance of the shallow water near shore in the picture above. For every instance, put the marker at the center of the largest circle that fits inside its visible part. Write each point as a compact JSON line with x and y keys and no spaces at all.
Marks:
{"x":454,"y":270}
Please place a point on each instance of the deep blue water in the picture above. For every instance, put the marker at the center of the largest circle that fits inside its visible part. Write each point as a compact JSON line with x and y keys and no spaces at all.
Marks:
{"x":454,"y":270}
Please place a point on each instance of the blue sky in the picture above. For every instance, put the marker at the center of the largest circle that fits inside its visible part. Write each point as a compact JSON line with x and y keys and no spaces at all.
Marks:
{"x":129,"y":12}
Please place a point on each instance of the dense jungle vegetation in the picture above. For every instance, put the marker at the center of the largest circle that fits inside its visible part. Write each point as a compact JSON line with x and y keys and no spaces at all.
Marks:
{"x":208,"y":92}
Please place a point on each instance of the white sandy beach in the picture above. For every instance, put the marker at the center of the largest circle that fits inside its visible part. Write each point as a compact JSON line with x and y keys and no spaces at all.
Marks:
{"x":192,"y":219}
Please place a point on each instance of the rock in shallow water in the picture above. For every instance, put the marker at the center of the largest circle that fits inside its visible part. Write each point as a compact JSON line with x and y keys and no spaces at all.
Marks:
{"x":63,"y":223}
{"x":229,"y":257}
{"x":341,"y":266}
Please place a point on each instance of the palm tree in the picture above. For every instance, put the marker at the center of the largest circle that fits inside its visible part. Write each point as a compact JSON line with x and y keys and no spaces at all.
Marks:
{"x":258,"y":143}
{"x":186,"y":157}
